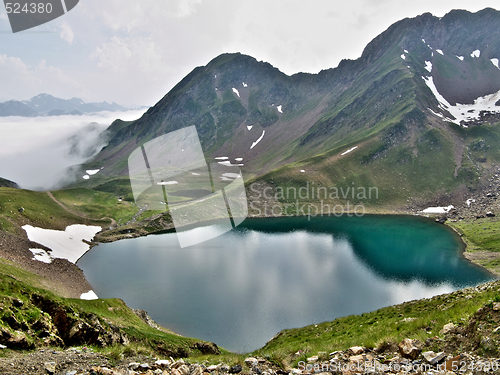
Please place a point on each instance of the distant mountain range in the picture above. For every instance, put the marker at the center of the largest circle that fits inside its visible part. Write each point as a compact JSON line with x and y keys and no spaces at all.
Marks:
{"x":417,"y":115}
{"x":48,"y":105}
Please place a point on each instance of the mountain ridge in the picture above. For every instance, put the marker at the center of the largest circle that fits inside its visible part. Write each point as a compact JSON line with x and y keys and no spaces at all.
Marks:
{"x":389,"y":102}
{"x":48,"y":105}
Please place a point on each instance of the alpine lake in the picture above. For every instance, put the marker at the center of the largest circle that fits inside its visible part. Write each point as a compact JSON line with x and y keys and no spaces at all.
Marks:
{"x":241,"y":288}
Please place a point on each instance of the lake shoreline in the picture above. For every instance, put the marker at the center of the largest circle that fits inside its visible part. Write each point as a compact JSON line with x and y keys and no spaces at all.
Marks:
{"x":128,"y":232}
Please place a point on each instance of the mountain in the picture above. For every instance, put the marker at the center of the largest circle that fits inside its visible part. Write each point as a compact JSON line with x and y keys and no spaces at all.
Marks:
{"x":415,"y":116}
{"x":45,"y":103}
{"x":48,"y":105}
{"x":15,"y":108}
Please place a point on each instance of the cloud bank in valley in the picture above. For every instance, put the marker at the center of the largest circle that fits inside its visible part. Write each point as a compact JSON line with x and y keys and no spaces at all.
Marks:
{"x":36,"y":151}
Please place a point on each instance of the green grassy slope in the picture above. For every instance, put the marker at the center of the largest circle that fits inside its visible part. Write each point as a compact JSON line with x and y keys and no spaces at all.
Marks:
{"x":34,"y":317}
{"x":422,"y":319}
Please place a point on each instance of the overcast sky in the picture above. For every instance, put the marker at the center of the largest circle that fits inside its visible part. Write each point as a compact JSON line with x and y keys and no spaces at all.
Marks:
{"x":134,"y":51}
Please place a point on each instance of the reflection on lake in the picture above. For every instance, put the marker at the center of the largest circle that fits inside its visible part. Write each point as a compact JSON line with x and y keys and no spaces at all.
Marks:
{"x":238,"y":290}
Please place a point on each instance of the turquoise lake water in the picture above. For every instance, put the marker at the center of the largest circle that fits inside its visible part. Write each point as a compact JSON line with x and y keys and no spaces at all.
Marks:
{"x":240,"y":289}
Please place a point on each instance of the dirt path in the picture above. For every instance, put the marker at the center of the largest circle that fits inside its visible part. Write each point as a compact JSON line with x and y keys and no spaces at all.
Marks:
{"x":114,"y":224}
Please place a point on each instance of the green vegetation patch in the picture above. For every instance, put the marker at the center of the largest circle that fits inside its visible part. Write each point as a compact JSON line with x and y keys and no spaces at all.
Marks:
{"x":95,"y":204}
{"x":420,"y":320}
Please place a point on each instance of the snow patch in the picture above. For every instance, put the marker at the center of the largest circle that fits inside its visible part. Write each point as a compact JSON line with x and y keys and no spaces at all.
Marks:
{"x":244,"y":84}
{"x":195,"y":174}
{"x":351,"y":149}
{"x":440,"y":52}
{"x":465,"y":112}
{"x":41,"y":255}
{"x":90,"y":295}
{"x":302,"y":171}
{"x":238,"y":159}
{"x":428,"y":66}
{"x":423,"y":40}
{"x":406,"y":51}
{"x":230,"y":176}
{"x":461,"y":58}
{"x":249,"y":127}
{"x":436,"y":113}
{"x":92,"y":172}
{"x":476,"y":53}
{"x":403,"y":56}
{"x":229,"y":164}
{"x":66,"y":244}
{"x":258,"y":140}
{"x":221,"y":158}
{"x":86,"y":177}
{"x":236,"y":92}
{"x":167,"y":183}
{"x":469,"y":201}
{"x":280,"y":108}
{"x":495,"y":62}
{"x":437,"y":210}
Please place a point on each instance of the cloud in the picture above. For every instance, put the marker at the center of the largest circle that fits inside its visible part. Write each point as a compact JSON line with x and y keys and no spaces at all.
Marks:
{"x":136,"y":54}
{"x":36,"y":152}
{"x":186,"y":7}
{"x":21,"y":81}
{"x":66,"y":33}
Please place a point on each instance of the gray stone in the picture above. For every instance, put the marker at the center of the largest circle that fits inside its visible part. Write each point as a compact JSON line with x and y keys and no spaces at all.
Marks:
{"x":235,"y":369}
{"x":251,"y":362}
{"x":50,"y":367}
{"x":447,"y":328}
{"x":410,"y":348}
{"x":133,"y":366}
{"x":162,"y":363}
{"x":184,"y":370}
{"x":197,"y":371}
{"x":433,"y":358}
{"x":356,"y":350}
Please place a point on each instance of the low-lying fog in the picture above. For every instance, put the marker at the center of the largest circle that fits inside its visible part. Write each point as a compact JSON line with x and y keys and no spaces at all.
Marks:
{"x":35,"y":152}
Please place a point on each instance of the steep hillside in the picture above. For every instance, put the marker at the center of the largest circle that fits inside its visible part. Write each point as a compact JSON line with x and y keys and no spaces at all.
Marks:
{"x":405,"y":109}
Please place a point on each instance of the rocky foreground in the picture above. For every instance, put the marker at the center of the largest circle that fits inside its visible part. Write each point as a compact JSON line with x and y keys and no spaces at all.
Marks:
{"x":468,"y":348}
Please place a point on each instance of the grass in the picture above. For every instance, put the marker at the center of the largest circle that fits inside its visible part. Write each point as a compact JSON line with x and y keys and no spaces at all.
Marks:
{"x":482,"y":236}
{"x":18,"y":207}
{"x":19,"y":285}
{"x":378,"y":328}
{"x":96,"y":204}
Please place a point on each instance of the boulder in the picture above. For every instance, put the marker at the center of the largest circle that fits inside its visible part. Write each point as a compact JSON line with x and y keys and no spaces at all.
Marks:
{"x":356,"y":350}
{"x":410,"y":348}
{"x":184,"y":370}
{"x":447,"y":328}
{"x":433,"y":358}
{"x":235,"y":369}
{"x":207,"y":348}
{"x":162,"y":363}
{"x":134,"y":366}
{"x":50,"y":367}
{"x":251,"y":362}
